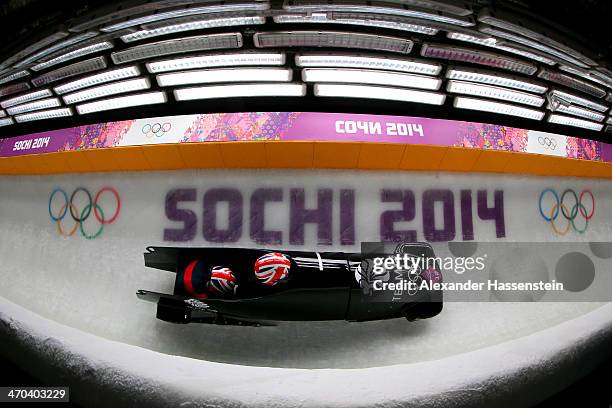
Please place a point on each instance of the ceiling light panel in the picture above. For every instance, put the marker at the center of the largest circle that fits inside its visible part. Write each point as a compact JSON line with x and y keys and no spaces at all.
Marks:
{"x":363,"y":76}
{"x":75,"y":39}
{"x":459,"y":9}
{"x":13,"y":76}
{"x":206,"y":76}
{"x":79,"y":68}
{"x":578,"y":111}
{"x":242,"y":90}
{"x":6,"y":122}
{"x":14,"y":88}
{"x":32,"y":96}
{"x":46,"y":114}
{"x":477,"y":57}
{"x":367,"y":20}
{"x":579,"y":100}
{"x":463,"y":102}
{"x":377,"y":7}
{"x":584,"y":74}
{"x":34,"y":106}
{"x":177,"y":46}
{"x":492,"y":78}
{"x":378,"y":92}
{"x":570,"y":82}
{"x":368,"y":62}
{"x":495,"y":92}
{"x":97,"y":79}
{"x":530,"y":43}
{"x":190,"y":25}
{"x":33,"y":48}
{"x":512,"y":23}
{"x":332,"y":39}
{"x":217,"y":60}
{"x":213,"y":7}
{"x":79,"y":52}
{"x":569,"y":121}
{"x":114,"y":88}
{"x":499,"y":45}
{"x":141,"y":99}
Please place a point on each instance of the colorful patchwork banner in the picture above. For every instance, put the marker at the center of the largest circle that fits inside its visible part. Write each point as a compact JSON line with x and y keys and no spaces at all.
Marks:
{"x":221,"y":127}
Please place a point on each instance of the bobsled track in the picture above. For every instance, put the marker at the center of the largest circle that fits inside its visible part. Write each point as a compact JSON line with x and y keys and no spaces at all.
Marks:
{"x":70,"y":315}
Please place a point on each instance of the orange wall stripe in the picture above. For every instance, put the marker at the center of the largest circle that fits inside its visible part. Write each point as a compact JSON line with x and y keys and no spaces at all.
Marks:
{"x":302,"y":155}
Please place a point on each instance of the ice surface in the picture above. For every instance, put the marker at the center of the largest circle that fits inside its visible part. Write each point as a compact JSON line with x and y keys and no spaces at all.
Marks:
{"x":91,"y":284}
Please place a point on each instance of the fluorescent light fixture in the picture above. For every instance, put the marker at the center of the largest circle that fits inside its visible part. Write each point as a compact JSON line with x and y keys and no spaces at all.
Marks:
{"x":578,"y":111}
{"x":477,"y":57}
{"x":14,"y":88}
{"x":125,"y":13}
{"x":361,"y":61}
{"x":97,"y":79}
{"x":492,"y":78}
{"x":609,"y":120}
{"x":499,"y":45}
{"x":216,"y":7}
{"x":603,"y":74}
{"x":504,"y":20}
{"x":332,"y":39}
{"x":14,"y":76}
{"x":586,"y":75}
{"x":178,"y":46}
{"x":309,"y":6}
{"x":609,"y":97}
{"x":75,"y":69}
{"x":217,"y":60}
{"x":364,"y":76}
{"x":367,"y":20}
{"x":495,"y":92}
{"x":80,"y":52}
{"x":46,"y":114}
{"x":6,"y":122}
{"x":141,"y":99}
{"x":579,"y":100}
{"x":378,"y":92}
{"x":56,"y":47}
{"x":206,"y":76}
{"x":608,"y":129}
{"x":570,"y":82}
{"x":242,"y":90}
{"x":115,"y":88}
{"x":34,"y":47}
{"x":569,"y":121}
{"x":32,"y":96}
{"x":191,"y":25}
{"x":34,"y":106}
{"x":447,"y":7}
{"x":540,"y":46}
{"x":483,"y":105}
{"x":2,"y":113}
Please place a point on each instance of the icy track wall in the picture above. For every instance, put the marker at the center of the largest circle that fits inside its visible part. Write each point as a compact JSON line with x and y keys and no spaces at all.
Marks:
{"x":86,"y":276}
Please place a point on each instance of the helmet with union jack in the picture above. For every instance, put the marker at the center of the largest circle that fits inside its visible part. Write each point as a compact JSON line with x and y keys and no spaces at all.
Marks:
{"x":222,"y":281}
{"x":272,"y":268}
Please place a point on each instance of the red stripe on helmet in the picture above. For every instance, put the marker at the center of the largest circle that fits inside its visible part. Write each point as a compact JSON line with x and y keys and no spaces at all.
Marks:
{"x":188,"y":281}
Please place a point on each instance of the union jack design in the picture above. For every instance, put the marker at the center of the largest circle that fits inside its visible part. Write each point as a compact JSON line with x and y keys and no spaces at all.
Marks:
{"x":222,"y":280}
{"x":272,"y":268}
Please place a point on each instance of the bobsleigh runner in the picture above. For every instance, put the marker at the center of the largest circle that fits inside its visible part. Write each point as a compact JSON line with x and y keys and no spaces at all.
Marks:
{"x":239,"y":286}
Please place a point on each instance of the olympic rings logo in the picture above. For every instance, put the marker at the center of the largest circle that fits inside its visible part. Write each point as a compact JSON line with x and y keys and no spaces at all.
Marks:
{"x":569,"y":211}
{"x":79,"y":217}
{"x":157,"y":129}
{"x":547,"y":142}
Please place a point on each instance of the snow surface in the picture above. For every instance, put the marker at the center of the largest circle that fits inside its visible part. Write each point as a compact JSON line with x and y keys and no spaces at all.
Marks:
{"x":70,"y":304}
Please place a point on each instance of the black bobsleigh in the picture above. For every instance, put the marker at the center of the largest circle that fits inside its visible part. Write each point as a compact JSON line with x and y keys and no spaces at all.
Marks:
{"x":320,"y":286}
